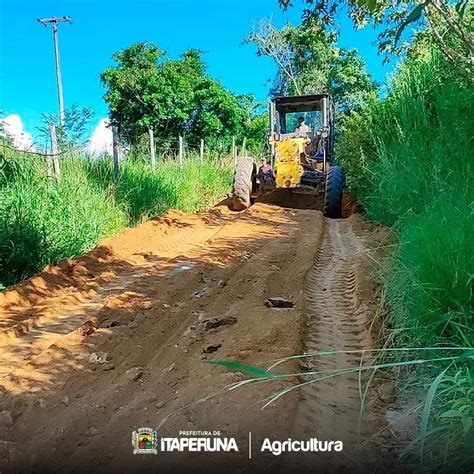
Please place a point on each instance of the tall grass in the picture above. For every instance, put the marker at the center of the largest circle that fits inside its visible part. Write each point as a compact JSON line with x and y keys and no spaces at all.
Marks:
{"x":145,"y":192}
{"x":410,"y":160}
{"x":42,"y":221}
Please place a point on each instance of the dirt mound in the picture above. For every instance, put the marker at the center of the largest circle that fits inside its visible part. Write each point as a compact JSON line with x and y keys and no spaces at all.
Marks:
{"x":350,"y":206}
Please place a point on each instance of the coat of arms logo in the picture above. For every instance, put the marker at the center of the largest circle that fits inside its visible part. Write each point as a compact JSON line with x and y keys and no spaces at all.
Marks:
{"x":145,"y":441}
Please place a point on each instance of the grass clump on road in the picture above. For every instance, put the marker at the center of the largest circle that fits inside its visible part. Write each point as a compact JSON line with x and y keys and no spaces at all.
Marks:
{"x":409,"y":157}
{"x":42,"y":221}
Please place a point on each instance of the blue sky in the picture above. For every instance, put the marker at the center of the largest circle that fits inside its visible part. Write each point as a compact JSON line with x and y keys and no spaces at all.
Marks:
{"x":101,"y":27}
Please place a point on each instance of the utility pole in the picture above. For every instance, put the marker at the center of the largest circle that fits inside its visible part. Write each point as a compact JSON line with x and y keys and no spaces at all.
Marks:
{"x":54,"y":22}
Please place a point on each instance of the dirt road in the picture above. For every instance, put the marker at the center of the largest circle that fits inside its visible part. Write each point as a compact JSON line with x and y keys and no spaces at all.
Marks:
{"x":116,"y":340}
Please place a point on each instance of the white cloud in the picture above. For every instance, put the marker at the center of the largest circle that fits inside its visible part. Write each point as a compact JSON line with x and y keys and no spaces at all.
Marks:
{"x":100,"y":142}
{"x":13,"y":127}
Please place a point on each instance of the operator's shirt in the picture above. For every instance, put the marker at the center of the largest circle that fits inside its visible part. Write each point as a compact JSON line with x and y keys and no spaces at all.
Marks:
{"x":303,"y":130}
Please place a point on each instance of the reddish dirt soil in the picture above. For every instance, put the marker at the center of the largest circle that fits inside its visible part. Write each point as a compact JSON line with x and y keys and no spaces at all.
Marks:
{"x":118,"y":339}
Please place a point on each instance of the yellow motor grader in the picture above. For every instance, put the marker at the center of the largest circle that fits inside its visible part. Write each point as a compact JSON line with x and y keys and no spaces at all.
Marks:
{"x":301,"y":140}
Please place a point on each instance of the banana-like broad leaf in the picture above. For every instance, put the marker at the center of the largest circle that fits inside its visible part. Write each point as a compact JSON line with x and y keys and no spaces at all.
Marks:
{"x":252,"y":370}
{"x":414,"y":15}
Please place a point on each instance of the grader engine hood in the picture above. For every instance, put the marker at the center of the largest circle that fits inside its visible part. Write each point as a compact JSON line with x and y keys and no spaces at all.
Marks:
{"x":288,"y":170}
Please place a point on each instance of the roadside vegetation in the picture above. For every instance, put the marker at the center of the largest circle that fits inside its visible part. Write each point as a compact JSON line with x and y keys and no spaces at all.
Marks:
{"x":409,"y":158}
{"x":43,"y":222}
{"x":148,"y":91}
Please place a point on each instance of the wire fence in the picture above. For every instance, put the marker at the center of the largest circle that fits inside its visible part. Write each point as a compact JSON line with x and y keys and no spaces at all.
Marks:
{"x":151,"y":150}
{"x":164,"y":150}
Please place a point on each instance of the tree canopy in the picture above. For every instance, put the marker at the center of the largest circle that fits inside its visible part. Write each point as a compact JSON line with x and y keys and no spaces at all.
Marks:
{"x":309,"y":61}
{"x":448,"y":22}
{"x":173,"y":97}
{"x":74,"y":131}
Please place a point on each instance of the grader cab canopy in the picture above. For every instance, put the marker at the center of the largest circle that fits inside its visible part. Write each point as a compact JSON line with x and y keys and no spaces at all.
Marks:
{"x":316,"y":109}
{"x":302,"y":142}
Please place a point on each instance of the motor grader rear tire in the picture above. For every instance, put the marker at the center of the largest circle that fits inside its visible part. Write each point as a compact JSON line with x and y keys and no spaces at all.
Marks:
{"x":335,"y":182}
{"x":242,"y":187}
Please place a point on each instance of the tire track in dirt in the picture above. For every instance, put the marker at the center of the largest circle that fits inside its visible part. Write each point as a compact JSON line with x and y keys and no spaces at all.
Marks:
{"x":57,"y":398}
{"x":329,"y":408}
{"x":165,"y":280}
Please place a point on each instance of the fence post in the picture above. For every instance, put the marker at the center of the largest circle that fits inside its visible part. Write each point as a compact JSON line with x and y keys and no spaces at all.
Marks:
{"x":181,"y":150}
{"x":54,"y":152}
{"x":49,"y":164}
{"x":243,"y":151}
{"x":234,"y":151}
{"x":201,"y":151}
{"x":115,"y":150}
{"x":152,"y":148}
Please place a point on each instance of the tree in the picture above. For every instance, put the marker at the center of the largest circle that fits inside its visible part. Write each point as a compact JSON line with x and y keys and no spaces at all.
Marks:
{"x":133,"y":87}
{"x":275,"y":44}
{"x":73,"y":134}
{"x":448,"y":22}
{"x":256,"y":125}
{"x":172,"y":97}
{"x":217,"y":113}
{"x":309,"y":62}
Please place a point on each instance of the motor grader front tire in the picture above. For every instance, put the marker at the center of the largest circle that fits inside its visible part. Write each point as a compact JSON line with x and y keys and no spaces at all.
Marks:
{"x":243,"y":183}
{"x":335,"y":182}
